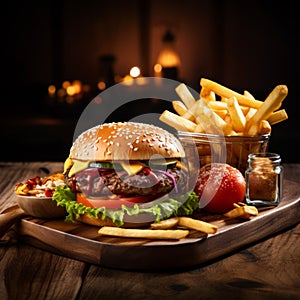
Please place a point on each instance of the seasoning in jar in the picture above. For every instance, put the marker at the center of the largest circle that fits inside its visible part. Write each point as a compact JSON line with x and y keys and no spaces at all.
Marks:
{"x":264,"y":179}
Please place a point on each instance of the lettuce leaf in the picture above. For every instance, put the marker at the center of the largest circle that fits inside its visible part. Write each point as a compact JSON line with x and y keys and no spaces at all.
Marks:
{"x":182,"y":205}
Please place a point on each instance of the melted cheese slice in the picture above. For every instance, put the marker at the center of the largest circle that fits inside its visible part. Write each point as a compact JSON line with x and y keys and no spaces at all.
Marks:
{"x":180,"y":165}
{"x":133,"y":167}
{"x":67,"y":164}
{"x":78,"y":166}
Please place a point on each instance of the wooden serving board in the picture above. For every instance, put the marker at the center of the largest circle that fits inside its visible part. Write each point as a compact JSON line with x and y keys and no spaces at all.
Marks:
{"x":83,"y":242}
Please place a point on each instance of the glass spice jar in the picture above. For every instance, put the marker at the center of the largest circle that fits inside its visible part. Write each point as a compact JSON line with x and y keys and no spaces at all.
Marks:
{"x":264,"y":178}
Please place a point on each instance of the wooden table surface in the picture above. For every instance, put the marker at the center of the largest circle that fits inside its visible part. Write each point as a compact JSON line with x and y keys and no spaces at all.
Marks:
{"x":268,"y":269}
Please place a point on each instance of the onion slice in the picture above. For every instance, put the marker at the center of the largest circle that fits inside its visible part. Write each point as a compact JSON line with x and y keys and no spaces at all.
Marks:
{"x":149,"y":172}
{"x":170,"y":176}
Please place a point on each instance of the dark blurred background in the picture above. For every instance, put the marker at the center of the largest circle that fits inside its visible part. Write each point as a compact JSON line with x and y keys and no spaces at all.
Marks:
{"x":90,"y":45}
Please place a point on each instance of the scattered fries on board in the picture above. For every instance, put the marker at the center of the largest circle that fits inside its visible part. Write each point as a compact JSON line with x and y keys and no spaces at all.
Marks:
{"x":243,"y":211}
{"x":171,"y":234}
{"x":229,"y":114}
{"x":175,"y":228}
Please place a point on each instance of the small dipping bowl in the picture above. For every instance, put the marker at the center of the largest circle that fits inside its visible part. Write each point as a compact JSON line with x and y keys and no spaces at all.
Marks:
{"x":40,"y":207}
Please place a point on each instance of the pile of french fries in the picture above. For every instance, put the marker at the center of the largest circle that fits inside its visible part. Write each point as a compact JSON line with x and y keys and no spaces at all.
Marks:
{"x":222,"y":111}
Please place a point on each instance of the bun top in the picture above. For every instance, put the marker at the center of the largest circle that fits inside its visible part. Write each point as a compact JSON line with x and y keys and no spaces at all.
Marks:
{"x":125,"y":141}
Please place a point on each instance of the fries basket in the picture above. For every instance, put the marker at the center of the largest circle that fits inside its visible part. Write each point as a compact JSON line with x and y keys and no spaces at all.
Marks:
{"x":233,"y":150}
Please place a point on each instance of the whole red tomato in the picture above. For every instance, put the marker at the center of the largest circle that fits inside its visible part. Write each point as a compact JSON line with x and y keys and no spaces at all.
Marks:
{"x":219,"y":186}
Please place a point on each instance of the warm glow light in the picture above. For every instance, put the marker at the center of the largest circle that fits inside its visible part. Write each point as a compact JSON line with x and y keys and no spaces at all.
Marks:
{"x":65,"y":84}
{"x":51,"y":90}
{"x":141,"y":81}
{"x":71,"y":90}
{"x":101,"y":85}
{"x":127,"y":80}
{"x":61,"y":92}
{"x":77,"y":85}
{"x":157,"y":68}
{"x":135,"y":72}
{"x":168,"y":58}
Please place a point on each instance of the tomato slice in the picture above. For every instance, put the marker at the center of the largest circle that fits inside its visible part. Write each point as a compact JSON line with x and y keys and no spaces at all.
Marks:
{"x":111,"y":203}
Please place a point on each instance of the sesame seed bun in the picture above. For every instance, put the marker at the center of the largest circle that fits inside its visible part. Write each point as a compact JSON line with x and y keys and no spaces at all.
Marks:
{"x":125,"y":141}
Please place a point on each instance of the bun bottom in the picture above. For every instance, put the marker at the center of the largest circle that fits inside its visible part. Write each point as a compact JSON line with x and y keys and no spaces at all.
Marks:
{"x":140,"y":221}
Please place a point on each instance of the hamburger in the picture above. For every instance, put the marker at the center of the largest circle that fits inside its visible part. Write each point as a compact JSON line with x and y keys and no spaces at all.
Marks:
{"x":125,"y":174}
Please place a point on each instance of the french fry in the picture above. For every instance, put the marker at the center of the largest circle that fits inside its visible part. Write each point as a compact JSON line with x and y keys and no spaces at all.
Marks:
{"x":165,"y":224}
{"x":22,"y":189}
{"x":179,"y":107}
{"x":277,"y":116}
{"x":197,"y":225}
{"x":175,"y":234}
{"x":227,"y":118}
{"x":210,"y":121}
{"x":221,"y":113}
{"x":199,"y":129}
{"x":272,"y":102}
{"x":248,"y":95}
{"x":207,"y":94}
{"x":245,"y":109}
{"x":191,"y":113}
{"x":242,"y":211}
{"x":33,"y":192}
{"x":250,"y":113}
{"x":217,"y":105}
{"x":265,"y":127}
{"x":236,"y":114}
{"x":185,"y":95}
{"x":227,"y":93}
{"x":177,"y":122}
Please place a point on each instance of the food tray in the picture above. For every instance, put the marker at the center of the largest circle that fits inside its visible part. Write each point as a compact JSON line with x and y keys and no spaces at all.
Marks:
{"x":82,"y":242}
